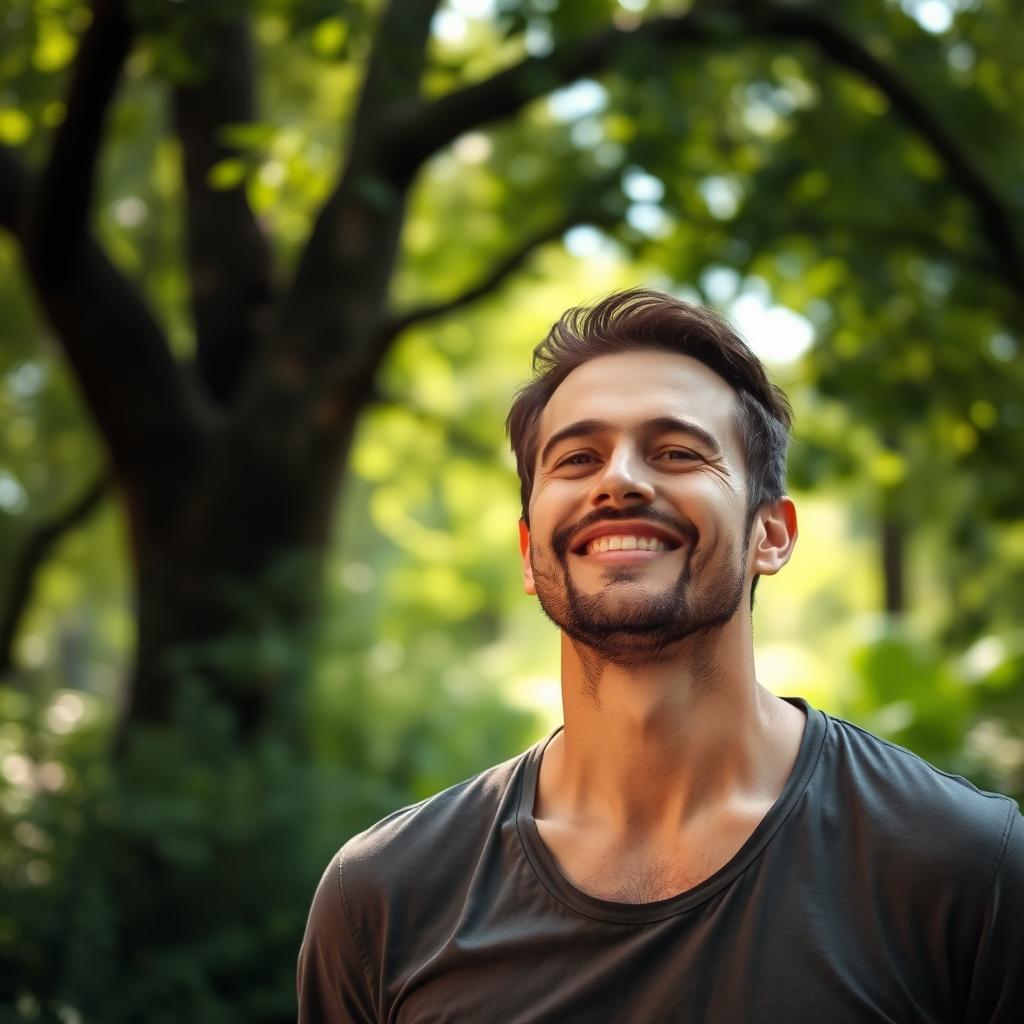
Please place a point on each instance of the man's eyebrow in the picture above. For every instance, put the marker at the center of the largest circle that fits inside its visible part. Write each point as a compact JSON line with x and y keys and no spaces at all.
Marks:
{"x":659,"y":425}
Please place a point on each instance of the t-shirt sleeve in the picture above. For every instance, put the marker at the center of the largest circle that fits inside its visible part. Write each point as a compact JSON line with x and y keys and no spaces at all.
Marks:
{"x":332,"y":975}
{"x":997,"y":988}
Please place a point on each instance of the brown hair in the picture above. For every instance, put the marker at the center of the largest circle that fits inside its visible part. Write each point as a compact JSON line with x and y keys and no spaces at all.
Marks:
{"x":643,"y":318}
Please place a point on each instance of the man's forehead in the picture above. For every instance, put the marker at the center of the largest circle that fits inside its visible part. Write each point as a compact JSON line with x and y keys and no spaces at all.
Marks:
{"x":638,"y":385}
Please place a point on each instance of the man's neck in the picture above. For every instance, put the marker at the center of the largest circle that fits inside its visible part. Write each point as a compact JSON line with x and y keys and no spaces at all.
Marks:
{"x":652,"y":752}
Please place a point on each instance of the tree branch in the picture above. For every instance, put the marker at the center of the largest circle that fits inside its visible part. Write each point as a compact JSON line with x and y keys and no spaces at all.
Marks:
{"x":995,"y":218}
{"x":41,"y":541}
{"x":331,"y":314}
{"x":229,"y":259}
{"x":513,"y":260}
{"x":146,"y":409}
{"x":421,"y":128}
{"x":504,"y":268}
{"x":61,"y":208}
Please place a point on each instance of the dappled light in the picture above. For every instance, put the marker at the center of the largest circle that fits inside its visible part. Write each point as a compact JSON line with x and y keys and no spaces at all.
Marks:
{"x":258,"y":515}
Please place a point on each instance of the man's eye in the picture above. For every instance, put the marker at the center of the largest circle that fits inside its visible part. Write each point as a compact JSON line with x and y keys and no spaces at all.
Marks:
{"x":672,"y":454}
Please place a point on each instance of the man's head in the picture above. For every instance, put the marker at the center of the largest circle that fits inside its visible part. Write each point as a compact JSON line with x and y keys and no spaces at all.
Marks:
{"x":651,"y":411}
{"x":640,"y":319}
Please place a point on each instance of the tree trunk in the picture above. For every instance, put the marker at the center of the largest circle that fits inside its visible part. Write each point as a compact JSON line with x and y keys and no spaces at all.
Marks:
{"x":229,"y":579}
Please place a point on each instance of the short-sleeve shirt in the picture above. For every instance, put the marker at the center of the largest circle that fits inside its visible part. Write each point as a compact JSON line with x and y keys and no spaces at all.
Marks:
{"x":876,"y":888}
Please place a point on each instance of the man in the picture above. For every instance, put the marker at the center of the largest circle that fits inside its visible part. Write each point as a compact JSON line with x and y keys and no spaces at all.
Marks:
{"x":687,"y":847}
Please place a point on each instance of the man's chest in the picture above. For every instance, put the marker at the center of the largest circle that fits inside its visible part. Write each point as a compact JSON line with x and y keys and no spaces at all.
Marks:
{"x":645,"y":873}
{"x":788,"y":938}
{"x":758,"y":970}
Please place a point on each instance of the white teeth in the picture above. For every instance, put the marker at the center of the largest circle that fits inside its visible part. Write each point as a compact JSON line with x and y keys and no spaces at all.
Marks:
{"x":625,"y":543}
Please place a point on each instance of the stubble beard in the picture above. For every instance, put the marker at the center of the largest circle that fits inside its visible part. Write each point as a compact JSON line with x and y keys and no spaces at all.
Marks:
{"x":636,"y":627}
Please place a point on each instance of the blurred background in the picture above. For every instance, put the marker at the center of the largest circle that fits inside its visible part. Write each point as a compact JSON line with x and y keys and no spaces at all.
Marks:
{"x":270,"y":274}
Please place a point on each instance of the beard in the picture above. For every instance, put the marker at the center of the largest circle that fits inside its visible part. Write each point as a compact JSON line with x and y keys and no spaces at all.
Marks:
{"x":633,"y":626}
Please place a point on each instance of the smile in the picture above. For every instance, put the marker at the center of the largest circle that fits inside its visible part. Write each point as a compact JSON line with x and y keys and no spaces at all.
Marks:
{"x":635,"y":540}
{"x":625,"y":548}
{"x":614,"y":542}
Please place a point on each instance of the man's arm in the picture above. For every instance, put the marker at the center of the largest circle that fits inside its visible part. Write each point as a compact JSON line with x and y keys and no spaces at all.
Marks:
{"x":997,"y":988}
{"x":332,"y":976}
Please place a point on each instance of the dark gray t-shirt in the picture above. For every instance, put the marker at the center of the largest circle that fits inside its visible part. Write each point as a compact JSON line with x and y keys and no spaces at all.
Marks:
{"x":877,"y":888}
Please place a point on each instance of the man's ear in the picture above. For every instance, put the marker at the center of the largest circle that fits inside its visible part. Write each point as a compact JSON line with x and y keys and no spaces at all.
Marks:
{"x":524,"y":550}
{"x":774,"y":537}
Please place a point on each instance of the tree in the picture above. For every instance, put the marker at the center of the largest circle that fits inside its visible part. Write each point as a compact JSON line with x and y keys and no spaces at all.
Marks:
{"x":859,"y":166}
{"x":228,"y":462}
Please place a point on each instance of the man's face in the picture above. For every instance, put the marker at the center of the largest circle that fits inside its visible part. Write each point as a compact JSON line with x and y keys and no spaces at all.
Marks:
{"x":637,"y":534}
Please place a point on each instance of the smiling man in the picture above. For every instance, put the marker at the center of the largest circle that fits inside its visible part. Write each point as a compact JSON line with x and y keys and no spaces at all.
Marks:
{"x":687,"y":846}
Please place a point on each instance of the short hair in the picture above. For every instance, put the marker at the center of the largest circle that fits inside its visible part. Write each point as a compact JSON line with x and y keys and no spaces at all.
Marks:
{"x":642,"y":318}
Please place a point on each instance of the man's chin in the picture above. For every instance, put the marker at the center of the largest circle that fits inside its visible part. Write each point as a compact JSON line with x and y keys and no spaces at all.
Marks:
{"x":629,"y":649}
{"x":631,"y":632}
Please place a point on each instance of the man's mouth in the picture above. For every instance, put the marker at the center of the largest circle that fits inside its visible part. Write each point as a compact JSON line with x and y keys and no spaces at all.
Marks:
{"x":625,"y":547}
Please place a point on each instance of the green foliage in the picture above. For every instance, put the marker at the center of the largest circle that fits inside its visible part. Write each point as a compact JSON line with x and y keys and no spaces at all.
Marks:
{"x":173,"y":883}
{"x":962,"y":713}
{"x":160,"y":890}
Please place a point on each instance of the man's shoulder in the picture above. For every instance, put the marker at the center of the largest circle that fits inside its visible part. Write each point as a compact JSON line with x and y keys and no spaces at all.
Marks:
{"x":446,"y":828}
{"x":905,"y":797}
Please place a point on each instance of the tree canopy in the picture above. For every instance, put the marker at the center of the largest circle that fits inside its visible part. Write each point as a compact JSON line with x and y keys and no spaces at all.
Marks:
{"x":272,"y":271}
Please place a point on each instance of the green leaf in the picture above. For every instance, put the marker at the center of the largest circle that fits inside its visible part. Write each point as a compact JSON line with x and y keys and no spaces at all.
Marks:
{"x":226,"y":174}
{"x":329,"y":37}
{"x":15,"y":127}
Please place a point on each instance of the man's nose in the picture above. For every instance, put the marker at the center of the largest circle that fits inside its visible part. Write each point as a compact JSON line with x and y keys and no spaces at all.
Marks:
{"x":625,"y":480}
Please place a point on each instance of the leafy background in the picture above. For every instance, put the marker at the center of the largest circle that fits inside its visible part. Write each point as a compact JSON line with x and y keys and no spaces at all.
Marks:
{"x":753,"y":172}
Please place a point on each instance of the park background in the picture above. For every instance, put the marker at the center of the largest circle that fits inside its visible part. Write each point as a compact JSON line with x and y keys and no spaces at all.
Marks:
{"x":271,"y":273}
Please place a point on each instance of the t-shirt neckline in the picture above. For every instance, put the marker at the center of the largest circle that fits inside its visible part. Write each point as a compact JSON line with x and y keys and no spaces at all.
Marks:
{"x":544,"y":865}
